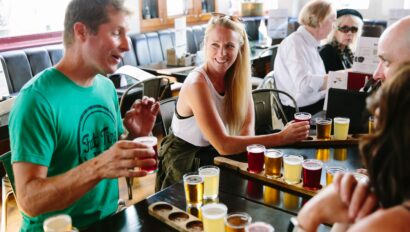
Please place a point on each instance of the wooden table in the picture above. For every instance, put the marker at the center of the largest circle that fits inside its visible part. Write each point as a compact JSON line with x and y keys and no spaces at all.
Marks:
{"x":236,"y":191}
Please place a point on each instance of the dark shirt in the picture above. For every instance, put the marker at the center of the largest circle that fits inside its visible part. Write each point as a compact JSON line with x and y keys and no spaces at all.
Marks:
{"x":333,"y":59}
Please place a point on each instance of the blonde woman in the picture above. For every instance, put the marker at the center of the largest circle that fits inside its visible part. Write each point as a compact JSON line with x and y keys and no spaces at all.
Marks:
{"x":215,"y":107}
{"x":337,"y":54}
{"x":299,"y":69}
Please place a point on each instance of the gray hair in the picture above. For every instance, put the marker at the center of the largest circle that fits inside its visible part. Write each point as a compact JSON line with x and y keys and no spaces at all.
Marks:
{"x":315,"y":12}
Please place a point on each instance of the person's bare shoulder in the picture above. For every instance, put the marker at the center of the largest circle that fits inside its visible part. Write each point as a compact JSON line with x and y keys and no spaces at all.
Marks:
{"x":393,"y":219}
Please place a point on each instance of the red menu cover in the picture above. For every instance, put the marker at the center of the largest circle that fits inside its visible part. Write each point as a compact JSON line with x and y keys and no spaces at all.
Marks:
{"x":356,"y":81}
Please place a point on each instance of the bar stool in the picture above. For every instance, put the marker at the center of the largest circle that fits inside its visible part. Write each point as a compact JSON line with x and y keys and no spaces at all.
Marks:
{"x":7,"y":191}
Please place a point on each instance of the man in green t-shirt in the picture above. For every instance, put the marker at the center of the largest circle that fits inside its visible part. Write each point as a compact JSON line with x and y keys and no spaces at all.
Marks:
{"x":65,"y":124}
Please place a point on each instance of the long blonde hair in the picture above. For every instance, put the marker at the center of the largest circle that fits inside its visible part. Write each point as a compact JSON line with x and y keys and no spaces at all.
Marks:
{"x":237,"y":78}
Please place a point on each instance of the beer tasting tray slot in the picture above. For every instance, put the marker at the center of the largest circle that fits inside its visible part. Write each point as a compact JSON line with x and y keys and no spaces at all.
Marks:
{"x":313,"y":141}
{"x":242,"y":167}
{"x":175,"y":217}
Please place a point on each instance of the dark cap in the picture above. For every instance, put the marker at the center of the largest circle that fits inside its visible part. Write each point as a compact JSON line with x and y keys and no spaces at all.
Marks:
{"x":349,"y":12}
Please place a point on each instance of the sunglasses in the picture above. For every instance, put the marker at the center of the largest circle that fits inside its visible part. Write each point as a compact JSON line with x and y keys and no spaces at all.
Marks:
{"x":232,"y":17}
{"x":346,"y":29}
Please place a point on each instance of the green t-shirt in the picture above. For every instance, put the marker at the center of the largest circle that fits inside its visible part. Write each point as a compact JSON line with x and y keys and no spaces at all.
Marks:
{"x":59,"y":124}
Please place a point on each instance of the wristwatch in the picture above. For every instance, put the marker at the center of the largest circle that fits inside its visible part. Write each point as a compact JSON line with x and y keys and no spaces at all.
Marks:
{"x":294,"y":225}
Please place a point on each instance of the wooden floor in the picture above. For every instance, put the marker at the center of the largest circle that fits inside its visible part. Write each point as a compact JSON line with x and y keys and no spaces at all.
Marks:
{"x":142,"y":188}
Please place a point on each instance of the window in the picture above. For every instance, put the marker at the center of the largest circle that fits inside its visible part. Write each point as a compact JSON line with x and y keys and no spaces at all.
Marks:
{"x":354,"y":4}
{"x":406,"y":4}
{"x":176,"y":7}
{"x":27,"y":23}
{"x":24,"y":17}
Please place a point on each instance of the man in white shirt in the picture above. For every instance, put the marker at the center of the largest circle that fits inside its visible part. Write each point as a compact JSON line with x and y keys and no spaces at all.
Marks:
{"x":299,"y":69}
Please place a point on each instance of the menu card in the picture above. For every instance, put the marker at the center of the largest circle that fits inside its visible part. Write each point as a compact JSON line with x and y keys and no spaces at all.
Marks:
{"x":366,"y":59}
{"x":180,"y":36}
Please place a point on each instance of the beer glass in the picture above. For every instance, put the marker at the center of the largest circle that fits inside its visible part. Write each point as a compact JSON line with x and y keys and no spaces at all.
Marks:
{"x":59,"y":223}
{"x":236,"y":222}
{"x":213,"y":216}
{"x":152,"y":142}
{"x":302,"y":116}
{"x":255,"y":157}
{"x":211,"y":181}
{"x":312,"y":172}
{"x":331,"y":171}
{"x":194,"y":189}
{"x":323,"y":128}
{"x":273,"y":163}
{"x":341,"y":128}
{"x":292,"y":168}
{"x":259,"y":227}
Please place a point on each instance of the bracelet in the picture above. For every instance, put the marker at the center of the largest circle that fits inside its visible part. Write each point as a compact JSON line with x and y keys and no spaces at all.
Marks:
{"x":296,"y":225}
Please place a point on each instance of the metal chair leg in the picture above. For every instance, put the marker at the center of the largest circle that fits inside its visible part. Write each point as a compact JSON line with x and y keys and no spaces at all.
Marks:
{"x":129,"y":186}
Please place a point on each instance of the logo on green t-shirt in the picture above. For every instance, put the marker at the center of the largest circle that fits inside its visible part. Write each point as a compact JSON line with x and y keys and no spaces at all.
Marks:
{"x":97,"y":131}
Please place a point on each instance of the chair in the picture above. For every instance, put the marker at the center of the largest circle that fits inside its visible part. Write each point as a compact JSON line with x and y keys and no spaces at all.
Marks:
{"x":166,"y":111}
{"x":274,"y":49}
{"x":372,"y":31}
{"x":17,"y":70}
{"x":269,"y":114}
{"x":165,"y":38}
{"x":154,"y":46}
{"x":154,"y":87}
{"x":7,"y":187}
{"x":141,"y":49}
{"x":191,"y":42}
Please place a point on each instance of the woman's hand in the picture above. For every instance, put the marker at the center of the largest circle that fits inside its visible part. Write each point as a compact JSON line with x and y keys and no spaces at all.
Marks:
{"x":140,"y":119}
{"x":294,"y":132}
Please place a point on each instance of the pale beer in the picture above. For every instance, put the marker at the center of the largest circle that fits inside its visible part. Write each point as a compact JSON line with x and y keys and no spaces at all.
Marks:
{"x":211,"y":181}
{"x":292,"y":168}
{"x":341,"y":128}
{"x":213,"y":216}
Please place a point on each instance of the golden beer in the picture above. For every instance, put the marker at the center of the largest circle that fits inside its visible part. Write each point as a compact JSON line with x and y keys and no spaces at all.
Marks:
{"x":331,"y":171}
{"x":236,"y":222}
{"x":292,"y":168}
{"x":271,"y":196}
{"x":341,"y":128}
{"x":273,"y":163}
{"x":323,"y":128}
{"x":211,"y":181}
{"x":194,"y":189}
{"x":213,"y":216}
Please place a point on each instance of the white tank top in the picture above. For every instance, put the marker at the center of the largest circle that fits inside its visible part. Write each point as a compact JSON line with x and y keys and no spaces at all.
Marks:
{"x":187,"y":128}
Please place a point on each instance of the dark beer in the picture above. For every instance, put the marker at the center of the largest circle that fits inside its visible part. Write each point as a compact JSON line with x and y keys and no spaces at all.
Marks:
{"x":323,"y":128}
{"x":312,"y":171}
{"x":255,"y":156}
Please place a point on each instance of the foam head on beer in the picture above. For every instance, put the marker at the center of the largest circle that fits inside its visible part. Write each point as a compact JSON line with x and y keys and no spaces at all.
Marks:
{"x":213,"y":217}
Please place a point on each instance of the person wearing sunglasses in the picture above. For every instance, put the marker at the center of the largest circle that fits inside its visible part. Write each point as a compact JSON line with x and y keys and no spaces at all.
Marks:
{"x":299,"y":69}
{"x":337,"y":54}
{"x":215,"y":111}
